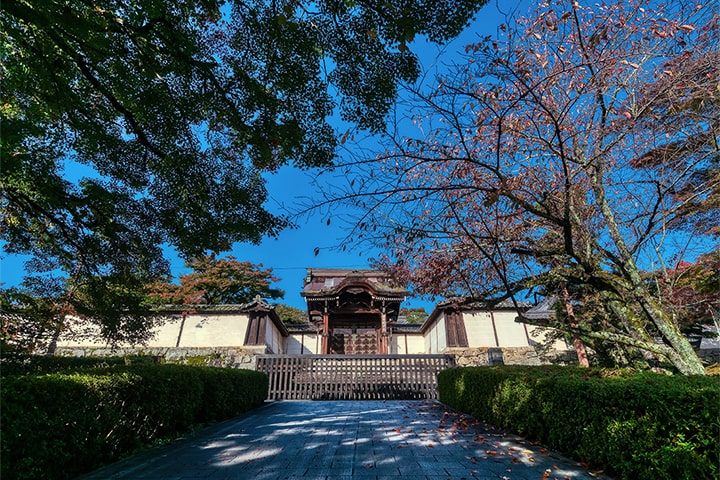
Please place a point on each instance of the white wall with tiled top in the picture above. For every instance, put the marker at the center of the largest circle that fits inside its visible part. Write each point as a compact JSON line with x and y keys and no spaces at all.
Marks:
{"x":540,"y":335}
{"x":198,"y":330}
{"x":211,"y":330}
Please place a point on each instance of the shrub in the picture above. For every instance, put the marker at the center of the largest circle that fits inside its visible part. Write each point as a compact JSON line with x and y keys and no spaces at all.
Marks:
{"x":60,"y":425}
{"x":25,"y":364}
{"x":634,"y":425}
{"x":225,"y":397}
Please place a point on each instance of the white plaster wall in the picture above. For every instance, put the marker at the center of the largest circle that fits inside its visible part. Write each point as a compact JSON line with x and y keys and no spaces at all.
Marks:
{"x":208,"y":330}
{"x":404,"y":343}
{"x":312,"y":343}
{"x":90,"y":334}
{"x":200,"y":330}
{"x":273,"y":338}
{"x":292,"y":344}
{"x":436,"y":337}
{"x":279,"y":340}
{"x":396,"y":344}
{"x":510,"y":332}
{"x":166,"y":335}
{"x":270,"y":337}
{"x":539,"y":335}
{"x":295,"y":342}
{"x":84,"y":334}
{"x":415,"y":344}
{"x":479,"y":329}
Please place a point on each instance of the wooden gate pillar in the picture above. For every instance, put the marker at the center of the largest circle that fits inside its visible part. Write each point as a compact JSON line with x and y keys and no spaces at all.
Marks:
{"x":383,"y":347}
{"x":325,"y":333}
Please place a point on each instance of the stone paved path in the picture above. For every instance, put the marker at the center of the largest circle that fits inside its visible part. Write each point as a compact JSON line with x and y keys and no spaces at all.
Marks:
{"x":419,"y":440}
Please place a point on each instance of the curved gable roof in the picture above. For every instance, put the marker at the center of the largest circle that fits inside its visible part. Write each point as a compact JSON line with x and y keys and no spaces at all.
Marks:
{"x":331,"y":282}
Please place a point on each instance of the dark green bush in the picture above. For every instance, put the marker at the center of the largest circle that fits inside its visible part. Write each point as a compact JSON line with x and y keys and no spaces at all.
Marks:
{"x":634,"y":425}
{"x":224,"y":398}
{"x":25,"y":364}
{"x":59,"y":425}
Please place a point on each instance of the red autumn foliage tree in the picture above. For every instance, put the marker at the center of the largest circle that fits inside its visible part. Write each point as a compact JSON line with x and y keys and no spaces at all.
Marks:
{"x":217,"y":281}
{"x":693,"y":291}
{"x":577,"y":148}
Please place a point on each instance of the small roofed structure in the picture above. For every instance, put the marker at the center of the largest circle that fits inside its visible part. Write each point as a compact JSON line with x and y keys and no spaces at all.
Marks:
{"x":354,"y":309}
{"x":541,"y":313}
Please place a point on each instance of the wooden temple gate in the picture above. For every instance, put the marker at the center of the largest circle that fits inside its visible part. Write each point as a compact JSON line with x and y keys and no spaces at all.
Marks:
{"x":353,"y":377}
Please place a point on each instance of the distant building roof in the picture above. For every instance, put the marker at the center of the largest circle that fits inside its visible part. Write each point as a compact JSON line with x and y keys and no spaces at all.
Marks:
{"x":469,"y":303}
{"x":305,"y":327}
{"x":543,"y":310}
{"x":406,"y":327}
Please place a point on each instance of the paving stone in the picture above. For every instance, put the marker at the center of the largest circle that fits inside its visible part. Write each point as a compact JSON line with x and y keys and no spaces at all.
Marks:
{"x":356,"y":476}
{"x":366,"y":440}
{"x":297,"y":477}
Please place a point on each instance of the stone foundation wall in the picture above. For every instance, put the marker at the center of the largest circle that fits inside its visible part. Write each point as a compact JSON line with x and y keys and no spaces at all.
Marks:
{"x":228,"y":357}
{"x":244,"y":357}
{"x":482,"y":356}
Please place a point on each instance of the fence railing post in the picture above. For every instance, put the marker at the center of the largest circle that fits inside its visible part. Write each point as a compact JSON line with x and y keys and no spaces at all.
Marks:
{"x":353,"y":377}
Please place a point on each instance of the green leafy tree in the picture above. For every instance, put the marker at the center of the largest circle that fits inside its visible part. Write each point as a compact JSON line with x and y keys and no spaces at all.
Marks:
{"x":27,"y":321}
{"x":414,"y":315}
{"x":290,"y":314}
{"x":127,"y":126}
{"x":35,"y":314}
{"x":216,"y":281}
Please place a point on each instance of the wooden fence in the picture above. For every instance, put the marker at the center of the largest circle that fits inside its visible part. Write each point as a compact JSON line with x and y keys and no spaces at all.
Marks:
{"x":353,"y":377}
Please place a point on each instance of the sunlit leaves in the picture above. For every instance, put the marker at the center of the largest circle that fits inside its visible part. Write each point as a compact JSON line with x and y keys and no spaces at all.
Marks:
{"x":172,"y":110}
{"x":290,"y":315}
{"x":216,"y":281}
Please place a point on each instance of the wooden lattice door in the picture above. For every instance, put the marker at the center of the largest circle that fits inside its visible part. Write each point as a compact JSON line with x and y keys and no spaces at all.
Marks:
{"x":337,"y":341}
{"x":363,"y":341}
{"x":354,"y":341}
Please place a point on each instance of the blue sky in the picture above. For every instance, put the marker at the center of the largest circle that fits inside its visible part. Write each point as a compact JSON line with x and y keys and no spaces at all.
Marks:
{"x":294,"y":250}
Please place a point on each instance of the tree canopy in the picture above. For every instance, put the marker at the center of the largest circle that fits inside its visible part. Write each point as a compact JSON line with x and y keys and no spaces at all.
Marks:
{"x":291,"y":315}
{"x":414,"y":315}
{"x":576,"y":149}
{"x":217,"y":281}
{"x":692,"y":291}
{"x":131,"y":126}
{"x":27,"y":320}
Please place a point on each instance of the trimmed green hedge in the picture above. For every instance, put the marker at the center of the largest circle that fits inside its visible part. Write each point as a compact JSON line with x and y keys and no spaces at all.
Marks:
{"x":25,"y":364}
{"x":59,"y":425}
{"x":634,"y":425}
